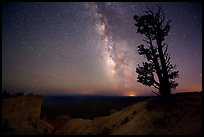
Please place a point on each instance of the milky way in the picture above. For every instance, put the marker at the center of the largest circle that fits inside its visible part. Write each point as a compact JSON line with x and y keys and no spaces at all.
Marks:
{"x":114,"y":52}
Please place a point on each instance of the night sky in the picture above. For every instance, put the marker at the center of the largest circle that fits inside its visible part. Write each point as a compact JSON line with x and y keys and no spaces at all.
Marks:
{"x":91,"y":48}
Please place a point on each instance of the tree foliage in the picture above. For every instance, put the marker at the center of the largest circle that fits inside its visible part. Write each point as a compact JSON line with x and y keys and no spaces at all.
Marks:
{"x":157,"y":71}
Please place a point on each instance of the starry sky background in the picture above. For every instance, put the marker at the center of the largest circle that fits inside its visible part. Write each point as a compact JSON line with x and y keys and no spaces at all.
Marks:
{"x":90,"y":48}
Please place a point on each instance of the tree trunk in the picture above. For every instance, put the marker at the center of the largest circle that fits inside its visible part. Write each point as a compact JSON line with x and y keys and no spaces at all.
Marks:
{"x":156,"y":63}
{"x":164,"y":89}
{"x":165,"y":84}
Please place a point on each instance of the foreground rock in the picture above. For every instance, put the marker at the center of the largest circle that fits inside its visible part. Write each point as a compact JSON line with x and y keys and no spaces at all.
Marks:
{"x":182,"y":115}
{"x":21,"y":115}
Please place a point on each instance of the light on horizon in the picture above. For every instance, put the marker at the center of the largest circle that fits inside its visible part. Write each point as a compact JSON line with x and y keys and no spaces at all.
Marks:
{"x":131,"y":94}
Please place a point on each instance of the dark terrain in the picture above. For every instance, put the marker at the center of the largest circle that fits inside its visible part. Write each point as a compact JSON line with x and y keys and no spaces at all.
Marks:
{"x":86,"y":107}
{"x":94,"y":115}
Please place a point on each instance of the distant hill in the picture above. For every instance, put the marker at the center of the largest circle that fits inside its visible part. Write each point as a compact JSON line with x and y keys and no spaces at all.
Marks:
{"x":181,"y":116}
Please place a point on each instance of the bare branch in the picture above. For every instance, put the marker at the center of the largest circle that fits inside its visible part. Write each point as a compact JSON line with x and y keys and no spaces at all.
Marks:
{"x":167,"y":58}
{"x":163,"y":45}
{"x":165,"y":51}
{"x":149,"y":11}
{"x":167,"y":61}
{"x":168,"y":65}
{"x":169,"y":68}
{"x":163,"y":15}
{"x":157,"y":83}
{"x":146,"y":41}
{"x":156,"y":86}
{"x":155,"y":93}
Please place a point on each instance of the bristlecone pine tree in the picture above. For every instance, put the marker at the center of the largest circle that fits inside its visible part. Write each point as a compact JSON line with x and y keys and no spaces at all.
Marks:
{"x":157,"y":71}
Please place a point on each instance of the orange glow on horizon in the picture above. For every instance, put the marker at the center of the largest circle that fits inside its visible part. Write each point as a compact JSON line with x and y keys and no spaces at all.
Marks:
{"x":131,"y":94}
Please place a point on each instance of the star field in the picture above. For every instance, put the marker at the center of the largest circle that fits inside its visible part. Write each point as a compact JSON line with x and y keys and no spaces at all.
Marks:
{"x":90,"y":48}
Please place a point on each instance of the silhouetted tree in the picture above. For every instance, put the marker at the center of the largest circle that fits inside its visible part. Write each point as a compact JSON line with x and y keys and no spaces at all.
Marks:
{"x":157,"y":70}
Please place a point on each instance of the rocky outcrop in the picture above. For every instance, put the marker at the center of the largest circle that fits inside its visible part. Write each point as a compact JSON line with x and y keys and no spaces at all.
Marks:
{"x":15,"y":110}
{"x":80,"y":127}
{"x":183,"y":115}
{"x":150,"y":117}
{"x":21,"y":115}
